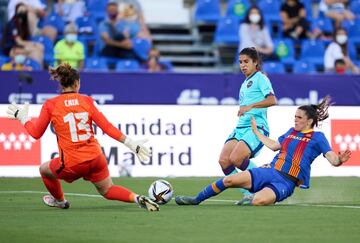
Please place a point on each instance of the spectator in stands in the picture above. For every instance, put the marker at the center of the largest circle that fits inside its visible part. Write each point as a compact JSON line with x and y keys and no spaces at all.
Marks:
{"x":153,"y":63}
{"x":340,"y":66}
{"x":137,"y":7}
{"x":129,"y":23}
{"x":17,"y":32}
{"x":70,"y":10}
{"x":116,"y":44}
{"x":35,"y":10}
{"x":337,"y":49}
{"x":17,"y":63}
{"x":254,"y":33}
{"x":293,"y":16}
{"x":69,"y":49}
{"x":336,"y":10}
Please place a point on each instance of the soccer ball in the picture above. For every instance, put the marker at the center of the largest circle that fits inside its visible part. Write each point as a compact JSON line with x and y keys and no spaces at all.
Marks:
{"x":160,"y":191}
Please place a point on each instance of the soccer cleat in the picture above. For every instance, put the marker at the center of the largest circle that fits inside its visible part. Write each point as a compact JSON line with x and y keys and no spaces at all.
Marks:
{"x":52,"y":202}
{"x":146,"y":203}
{"x":246,"y":200}
{"x":183,"y":200}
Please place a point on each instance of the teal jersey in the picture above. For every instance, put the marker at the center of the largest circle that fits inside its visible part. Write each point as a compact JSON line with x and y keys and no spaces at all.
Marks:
{"x":255,"y":89}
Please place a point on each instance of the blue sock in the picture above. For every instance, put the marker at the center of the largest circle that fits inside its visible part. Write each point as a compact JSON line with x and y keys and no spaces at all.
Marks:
{"x":249,"y":166}
{"x":211,"y":190}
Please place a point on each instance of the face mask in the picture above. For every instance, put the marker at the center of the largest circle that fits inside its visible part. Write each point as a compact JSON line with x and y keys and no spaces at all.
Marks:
{"x":20,"y":59}
{"x":341,"y":39}
{"x":254,"y":18}
{"x":71,"y":38}
{"x":112,"y":16}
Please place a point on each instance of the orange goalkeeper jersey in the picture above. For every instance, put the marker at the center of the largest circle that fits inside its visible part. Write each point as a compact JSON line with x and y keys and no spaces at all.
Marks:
{"x":71,"y":115}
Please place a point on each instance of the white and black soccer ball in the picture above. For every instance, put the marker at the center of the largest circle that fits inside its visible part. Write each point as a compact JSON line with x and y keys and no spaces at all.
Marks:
{"x":160,"y":191}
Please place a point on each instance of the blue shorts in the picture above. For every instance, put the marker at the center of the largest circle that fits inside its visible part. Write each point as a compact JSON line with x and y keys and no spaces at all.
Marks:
{"x":269,"y":177}
{"x":250,"y":139}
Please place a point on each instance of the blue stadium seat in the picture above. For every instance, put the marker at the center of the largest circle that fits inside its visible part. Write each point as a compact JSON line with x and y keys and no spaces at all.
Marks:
{"x":167,"y":63}
{"x":227,"y":31}
{"x":237,"y":8}
{"x":270,"y":9}
{"x":308,"y":9}
{"x":85,"y":44}
{"x":48,"y":48}
{"x":56,"y":21}
{"x":33,"y":64}
{"x":324,"y":24}
{"x":96,"y":64}
{"x":313,"y":51}
{"x":274,"y":67}
{"x":355,"y":7}
{"x":303,"y":67}
{"x":285,"y":50}
{"x":351,"y":48}
{"x":141,"y":47}
{"x":353,"y":29}
{"x":3,"y":60}
{"x":97,"y":8}
{"x":207,"y":11}
{"x":87,"y":28}
{"x":127,"y":65}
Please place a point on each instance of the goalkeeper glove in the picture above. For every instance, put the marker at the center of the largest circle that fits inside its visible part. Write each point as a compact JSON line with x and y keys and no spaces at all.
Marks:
{"x":142,"y":152}
{"x":15,"y":112}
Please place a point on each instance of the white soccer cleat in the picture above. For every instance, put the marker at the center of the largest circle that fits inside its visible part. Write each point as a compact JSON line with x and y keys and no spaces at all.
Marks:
{"x":146,"y":203}
{"x":52,"y":202}
{"x":246,"y":200}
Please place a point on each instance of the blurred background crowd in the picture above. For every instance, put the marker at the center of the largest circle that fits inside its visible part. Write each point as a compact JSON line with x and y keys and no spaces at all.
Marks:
{"x":293,"y":36}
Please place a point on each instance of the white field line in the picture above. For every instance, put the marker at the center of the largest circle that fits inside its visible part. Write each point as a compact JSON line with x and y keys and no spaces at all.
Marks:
{"x":212,"y":200}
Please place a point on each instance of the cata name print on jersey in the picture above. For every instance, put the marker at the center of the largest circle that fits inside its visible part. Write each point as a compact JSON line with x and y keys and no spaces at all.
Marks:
{"x":73,"y":102}
{"x":17,"y":147}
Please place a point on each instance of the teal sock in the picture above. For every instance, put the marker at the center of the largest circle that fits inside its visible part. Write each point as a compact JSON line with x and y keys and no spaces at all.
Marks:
{"x":211,"y":190}
{"x":250,"y":166}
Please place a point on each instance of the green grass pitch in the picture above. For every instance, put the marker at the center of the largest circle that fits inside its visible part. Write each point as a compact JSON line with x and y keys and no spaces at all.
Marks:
{"x":328,"y":212}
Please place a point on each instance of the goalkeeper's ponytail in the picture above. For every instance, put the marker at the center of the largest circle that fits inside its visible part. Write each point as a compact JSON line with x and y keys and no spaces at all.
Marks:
{"x":65,"y":74}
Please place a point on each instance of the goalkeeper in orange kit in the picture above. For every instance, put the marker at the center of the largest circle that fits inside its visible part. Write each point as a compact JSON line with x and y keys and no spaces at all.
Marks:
{"x":80,"y":155}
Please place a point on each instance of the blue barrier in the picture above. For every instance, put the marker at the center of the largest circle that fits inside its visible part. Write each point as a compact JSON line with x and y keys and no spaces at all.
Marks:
{"x":181,"y":88}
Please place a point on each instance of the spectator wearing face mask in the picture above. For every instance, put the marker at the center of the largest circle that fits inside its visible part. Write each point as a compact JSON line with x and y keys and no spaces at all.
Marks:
{"x":17,"y":62}
{"x":69,"y":49}
{"x":115,"y":43}
{"x":153,"y":63}
{"x":337,"y":49}
{"x":254,"y":33}
{"x":17,"y":32}
{"x":340,"y":66}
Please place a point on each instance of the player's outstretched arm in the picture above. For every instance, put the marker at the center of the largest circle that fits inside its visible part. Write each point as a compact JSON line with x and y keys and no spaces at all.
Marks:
{"x":268,"y":142}
{"x":338,"y":159}
{"x":21,"y":114}
{"x":138,"y":148}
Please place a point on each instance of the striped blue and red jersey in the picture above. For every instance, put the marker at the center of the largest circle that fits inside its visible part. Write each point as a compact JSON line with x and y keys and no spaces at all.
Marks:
{"x":298,"y":150}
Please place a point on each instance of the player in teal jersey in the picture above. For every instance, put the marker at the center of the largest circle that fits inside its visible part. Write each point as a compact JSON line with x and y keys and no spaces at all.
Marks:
{"x":255,"y":96}
{"x":298,"y":148}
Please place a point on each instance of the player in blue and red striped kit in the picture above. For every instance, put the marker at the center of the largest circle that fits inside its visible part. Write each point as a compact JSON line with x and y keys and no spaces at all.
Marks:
{"x":276,"y":181}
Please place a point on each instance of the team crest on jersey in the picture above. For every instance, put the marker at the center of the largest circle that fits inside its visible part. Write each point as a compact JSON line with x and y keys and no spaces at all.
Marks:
{"x":249,"y":84}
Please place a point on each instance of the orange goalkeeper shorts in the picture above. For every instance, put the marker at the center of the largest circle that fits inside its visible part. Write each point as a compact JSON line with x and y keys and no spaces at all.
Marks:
{"x":93,"y":170}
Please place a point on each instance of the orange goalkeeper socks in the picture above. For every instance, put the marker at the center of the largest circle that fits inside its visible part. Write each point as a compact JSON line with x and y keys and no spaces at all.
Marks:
{"x":120,"y":193}
{"x":54,"y":187}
